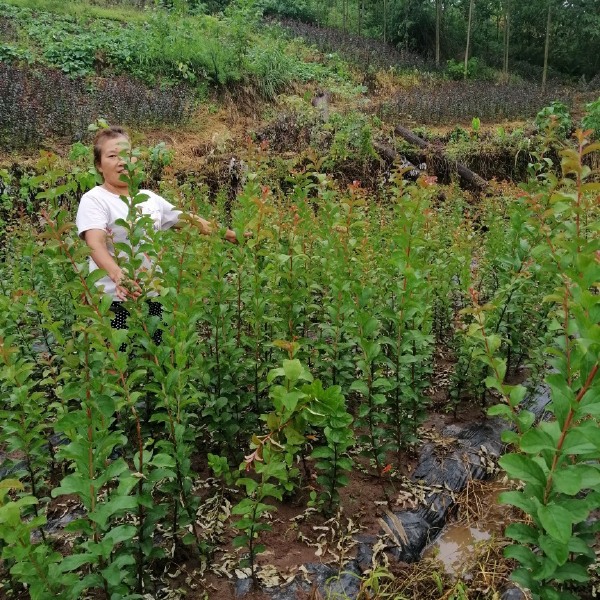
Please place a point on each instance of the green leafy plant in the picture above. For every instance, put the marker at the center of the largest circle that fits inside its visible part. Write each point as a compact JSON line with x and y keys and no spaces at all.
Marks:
{"x":555,"y":118}
{"x":36,"y":565}
{"x":273,"y":455}
{"x":332,"y":460}
{"x":591,"y":119}
{"x":556,"y":459}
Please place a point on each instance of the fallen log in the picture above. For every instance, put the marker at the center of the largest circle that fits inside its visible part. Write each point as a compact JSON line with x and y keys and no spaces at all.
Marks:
{"x":466,"y":174}
{"x":391,"y":156}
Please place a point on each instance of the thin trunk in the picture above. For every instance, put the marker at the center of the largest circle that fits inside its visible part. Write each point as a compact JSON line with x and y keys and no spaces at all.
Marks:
{"x":438,"y":23}
{"x":506,"y":40}
{"x":547,"y":46}
{"x":361,"y":12}
{"x":471,"y":5}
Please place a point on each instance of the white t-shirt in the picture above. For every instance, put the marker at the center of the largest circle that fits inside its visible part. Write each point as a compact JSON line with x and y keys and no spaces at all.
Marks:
{"x":100,"y":209}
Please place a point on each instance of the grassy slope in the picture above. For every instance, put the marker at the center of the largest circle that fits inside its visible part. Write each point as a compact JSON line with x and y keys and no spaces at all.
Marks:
{"x":225,"y":117}
{"x":79,"y":8}
{"x":223,"y":120}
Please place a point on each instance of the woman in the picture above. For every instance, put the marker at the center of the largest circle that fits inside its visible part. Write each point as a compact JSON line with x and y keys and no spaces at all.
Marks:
{"x":101,"y":208}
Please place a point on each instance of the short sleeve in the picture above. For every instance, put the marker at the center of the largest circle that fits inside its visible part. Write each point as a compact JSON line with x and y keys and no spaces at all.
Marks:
{"x":169,"y":214}
{"x":91,"y":214}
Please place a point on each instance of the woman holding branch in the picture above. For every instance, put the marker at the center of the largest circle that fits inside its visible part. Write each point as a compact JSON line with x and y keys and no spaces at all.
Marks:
{"x":102,"y":207}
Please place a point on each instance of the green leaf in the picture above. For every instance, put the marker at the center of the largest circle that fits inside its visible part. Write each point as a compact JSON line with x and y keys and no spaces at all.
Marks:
{"x":590,"y":403}
{"x":545,"y":569}
{"x":571,"y":572}
{"x":121,"y":533}
{"x":360,"y":387}
{"x":363,"y":410}
{"x":578,"y":508}
{"x":95,"y":276}
{"x":563,"y":397}
{"x":274,"y":373}
{"x":72,"y":484}
{"x":578,"y":546}
{"x":523,"y":578}
{"x":522,"y":467}
{"x":555,"y":550}
{"x":322,"y":452}
{"x":526,"y":534}
{"x":500,"y":410}
{"x":240,"y":541}
{"x":290,"y":401}
{"x":523,"y":555}
{"x":568,"y":480}
{"x":494,"y":342}
{"x":590,"y":476}
{"x":293,"y":369}
{"x":518,"y":499}
{"x":111,"y":508}
{"x":163,"y":460}
{"x":581,"y":440}
{"x":556,"y":521}
{"x":510,"y":437}
{"x":525,"y":419}
{"x":74,"y":561}
{"x":534,"y":441}
{"x":11,"y":484}
{"x":517,"y":395}
{"x":115,"y":573}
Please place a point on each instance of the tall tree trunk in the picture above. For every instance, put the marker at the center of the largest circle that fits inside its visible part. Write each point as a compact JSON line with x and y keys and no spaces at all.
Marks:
{"x":438,"y":24}
{"x":547,"y":46}
{"x":384,"y":21}
{"x":361,"y":12}
{"x":506,"y":39}
{"x":471,"y":6}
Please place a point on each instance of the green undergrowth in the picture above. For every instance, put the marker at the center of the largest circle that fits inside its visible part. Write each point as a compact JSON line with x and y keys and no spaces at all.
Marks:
{"x":81,"y":9}
{"x":60,"y":71}
{"x":156,"y":46}
{"x":285,"y":359}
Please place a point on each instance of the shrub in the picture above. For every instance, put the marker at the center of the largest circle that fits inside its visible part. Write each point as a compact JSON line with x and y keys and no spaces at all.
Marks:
{"x":8,"y":31}
{"x":460,"y":100}
{"x":126,"y":100}
{"x":36,"y":104}
{"x":476,"y":69}
{"x":359,"y":49}
{"x":555,"y":116}
{"x":301,"y":10}
{"x":272,"y":69}
{"x":591,"y":120}
{"x":10,"y":53}
{"x":40,"y":103}
{"x":74,"y":56}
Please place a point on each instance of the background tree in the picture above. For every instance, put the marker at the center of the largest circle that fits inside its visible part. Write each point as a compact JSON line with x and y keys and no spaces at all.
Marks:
{"x":438,"y":26}
{"x":506,"y":5}
{"x":504,"y":34}
{"x":547,"y":44}
{"x":469,"y":23}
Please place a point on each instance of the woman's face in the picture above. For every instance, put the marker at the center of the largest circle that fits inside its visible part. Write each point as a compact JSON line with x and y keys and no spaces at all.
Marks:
{"x":112,"y":163}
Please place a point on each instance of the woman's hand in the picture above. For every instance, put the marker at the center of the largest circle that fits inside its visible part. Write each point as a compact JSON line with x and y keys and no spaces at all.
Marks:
{"x":125,"y":287}
{"x":231,"y":237}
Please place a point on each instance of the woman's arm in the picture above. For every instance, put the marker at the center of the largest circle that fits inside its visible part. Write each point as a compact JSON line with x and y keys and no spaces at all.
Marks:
{"x":96,"y":240}
{"x":203,"y":226}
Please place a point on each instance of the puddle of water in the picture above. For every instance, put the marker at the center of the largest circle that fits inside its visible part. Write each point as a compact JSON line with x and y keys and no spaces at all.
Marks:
{"x":455,"y":545}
